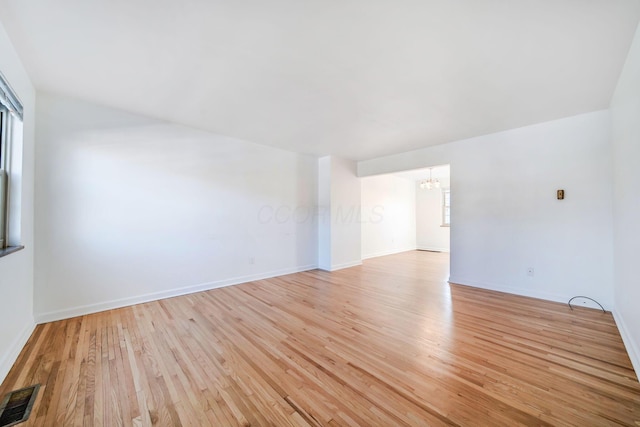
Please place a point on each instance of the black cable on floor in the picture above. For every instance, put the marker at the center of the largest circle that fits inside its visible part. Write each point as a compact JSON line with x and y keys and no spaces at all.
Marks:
{"x":581,"y":296}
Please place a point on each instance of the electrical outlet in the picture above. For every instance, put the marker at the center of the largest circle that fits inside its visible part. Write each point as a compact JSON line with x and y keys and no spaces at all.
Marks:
{"x":530,"y":271}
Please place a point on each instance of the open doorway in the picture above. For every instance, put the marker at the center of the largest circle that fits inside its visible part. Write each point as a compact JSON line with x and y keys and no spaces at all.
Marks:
{"x":433,"y":211}
{"x":406,"y":211}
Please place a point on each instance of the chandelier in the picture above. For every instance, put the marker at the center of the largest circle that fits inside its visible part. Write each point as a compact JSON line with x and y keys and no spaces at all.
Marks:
{"x":430,"y":183}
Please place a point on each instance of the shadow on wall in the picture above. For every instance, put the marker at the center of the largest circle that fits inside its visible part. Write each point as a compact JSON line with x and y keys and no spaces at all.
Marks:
{"x":130,"y":206}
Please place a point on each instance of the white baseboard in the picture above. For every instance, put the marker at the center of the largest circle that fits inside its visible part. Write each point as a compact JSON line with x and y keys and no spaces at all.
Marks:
{"x":13,"y":351}
{"x":532,"y":293}
{"x":324,"y":267}
{"x":629,"y":343}
{"x":336,"y":267}
{"x":432,"y":248}
{"x":139,"y":299}
{"x":385,"y":253}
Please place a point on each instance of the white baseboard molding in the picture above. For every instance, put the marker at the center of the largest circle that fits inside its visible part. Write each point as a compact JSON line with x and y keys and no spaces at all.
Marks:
{"x":632,"y":347}
{"x":385,"y":253}
{"x":13,"y":351}
{"x":532,"y":293}
{"x":324,"y":267}
{"x":139,"y":299}
{"x":432,"y":248}
{"x":336,"y":267}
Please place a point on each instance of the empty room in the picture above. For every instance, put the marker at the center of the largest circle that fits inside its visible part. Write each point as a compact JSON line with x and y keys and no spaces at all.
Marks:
{"x":315,"y":213}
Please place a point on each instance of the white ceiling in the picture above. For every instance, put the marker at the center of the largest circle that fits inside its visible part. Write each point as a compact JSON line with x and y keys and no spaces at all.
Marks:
{"x":354,"y":78}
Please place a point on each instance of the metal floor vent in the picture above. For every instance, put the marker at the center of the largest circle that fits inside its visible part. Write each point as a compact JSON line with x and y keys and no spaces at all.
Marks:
{"x":16,"y":406}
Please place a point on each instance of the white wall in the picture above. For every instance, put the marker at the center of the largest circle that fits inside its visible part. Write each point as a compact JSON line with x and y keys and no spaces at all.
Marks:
{"x":625,"y":113}
{"x":388,"y":215}
{"x":346,"y":248}
{"x":131,"y":209}
{"x":324,"y":213}
{"x":16,"y":270}
{"x":431,"y":236}
{"x":339,"y":214}
{"x":505,"y":214}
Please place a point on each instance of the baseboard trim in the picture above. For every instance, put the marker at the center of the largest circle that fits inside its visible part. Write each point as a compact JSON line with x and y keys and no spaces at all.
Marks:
{"x":14,"y":349}
{"x":629,"y":343}
{"x":385,"y":253}
{"x":522,"y":292}
{"x":432,"y":249}
{"x":337,"y":267}
{"x":52,"y":316}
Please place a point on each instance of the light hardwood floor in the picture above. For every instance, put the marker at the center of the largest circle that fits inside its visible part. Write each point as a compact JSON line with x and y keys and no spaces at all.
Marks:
{"x":386,"y":344}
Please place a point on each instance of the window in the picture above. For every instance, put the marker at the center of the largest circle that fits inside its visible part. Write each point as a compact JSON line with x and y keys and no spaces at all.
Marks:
{"x":10,"y":132}
{"x":4,"y":118}
{"x":446,"y":207}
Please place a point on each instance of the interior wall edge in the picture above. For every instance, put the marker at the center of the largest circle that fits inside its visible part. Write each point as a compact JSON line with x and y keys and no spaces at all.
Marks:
{"x":632,"y":347}
{"x":67,"y":313}
{"x":13,"y":351}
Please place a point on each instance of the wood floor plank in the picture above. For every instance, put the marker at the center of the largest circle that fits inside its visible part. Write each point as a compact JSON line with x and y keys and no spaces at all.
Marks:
{"x":388,"y":343}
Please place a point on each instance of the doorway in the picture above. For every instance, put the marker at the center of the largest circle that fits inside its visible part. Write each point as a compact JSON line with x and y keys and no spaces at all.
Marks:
{"x":406,"y":211}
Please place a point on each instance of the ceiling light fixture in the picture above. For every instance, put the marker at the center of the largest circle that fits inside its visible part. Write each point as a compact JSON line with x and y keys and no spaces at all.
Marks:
{"x":430,"y":183}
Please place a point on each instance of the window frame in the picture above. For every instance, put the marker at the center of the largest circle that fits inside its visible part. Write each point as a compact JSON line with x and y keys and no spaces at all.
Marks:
{"x":446,"y":207}
{"x":4,"y":175}
{"x":11,"y":119}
